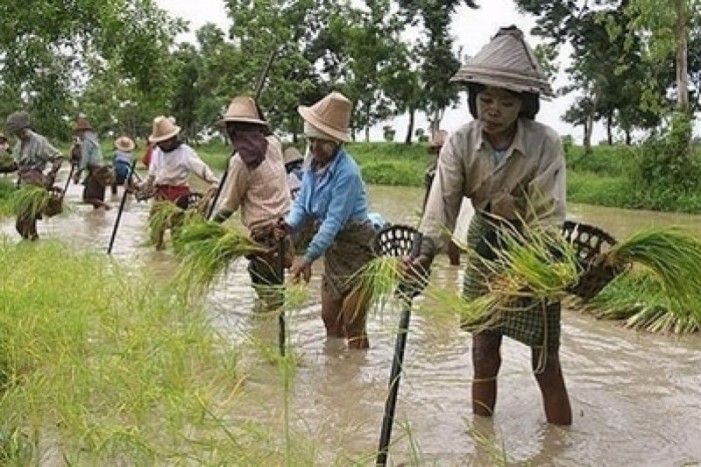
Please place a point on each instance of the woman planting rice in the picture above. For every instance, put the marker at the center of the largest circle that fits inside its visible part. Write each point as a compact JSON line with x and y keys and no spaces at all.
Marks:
{"x":91,"y":161}
{"x":257,"y":183}
{"x":512,"y":169}
{"x":333,"y":193}
{"x":172,"y":163}
{"x":32,"y":153}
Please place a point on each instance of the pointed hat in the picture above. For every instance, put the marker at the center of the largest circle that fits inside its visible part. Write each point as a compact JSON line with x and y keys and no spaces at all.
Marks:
{"x":508,"y":62}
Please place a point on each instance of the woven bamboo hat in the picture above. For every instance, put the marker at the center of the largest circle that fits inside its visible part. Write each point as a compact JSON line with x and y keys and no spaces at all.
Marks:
{"x":292,"y":154}
{"x":164,"y":128}
{"x":82,"y":124}
{"x":508,"y":62}
{"x":17,"y":121}
{"x":124,"y":143}
{"x":243,"y":109}
{"x":330,"y":115}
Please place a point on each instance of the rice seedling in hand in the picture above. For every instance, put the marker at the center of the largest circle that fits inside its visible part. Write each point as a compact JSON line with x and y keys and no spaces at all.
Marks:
{"x":378,"y":280}
{"x":30,"y":200}
{"x":163,"y":216}
{"x":206,"y":249}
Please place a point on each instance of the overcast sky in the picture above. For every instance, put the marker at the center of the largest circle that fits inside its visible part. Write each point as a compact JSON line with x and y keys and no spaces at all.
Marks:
{"x":472,"y":29}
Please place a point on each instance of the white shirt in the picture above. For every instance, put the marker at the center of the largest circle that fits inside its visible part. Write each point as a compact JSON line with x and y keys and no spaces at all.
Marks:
{"x":174,"y":167}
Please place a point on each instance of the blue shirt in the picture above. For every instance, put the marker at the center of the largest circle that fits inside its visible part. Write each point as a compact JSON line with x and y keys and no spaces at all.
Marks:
{"x":334,"y":198}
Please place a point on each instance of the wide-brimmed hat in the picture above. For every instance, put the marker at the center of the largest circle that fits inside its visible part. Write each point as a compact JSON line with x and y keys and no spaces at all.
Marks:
{"x":124,"y":143}
{"x":164,"y":128}
{"x":243,"y":109}
{"x":82,"y":124}
{"x":508,"y":62}
{"x":292,"y":154}
{"x":330,"y":115}
{"x":17,"y":121}
{"x":438,"y":139}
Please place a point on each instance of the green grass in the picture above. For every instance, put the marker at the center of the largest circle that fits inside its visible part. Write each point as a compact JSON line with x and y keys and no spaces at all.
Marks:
{"x":104,"y":366}
{"x":7,"y":191}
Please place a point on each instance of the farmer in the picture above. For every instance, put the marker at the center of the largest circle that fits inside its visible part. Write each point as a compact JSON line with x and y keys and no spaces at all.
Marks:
{"x":434,"y":149}
{"x":257,"y":185}
{"x":32,"y":153}
{"x":99,"y":176}
{"x":294,"y":165}
{"x":172,"y":162}
{"x":333,"y":194}
{"x":121,"y":161}
{"x":511,"y":168}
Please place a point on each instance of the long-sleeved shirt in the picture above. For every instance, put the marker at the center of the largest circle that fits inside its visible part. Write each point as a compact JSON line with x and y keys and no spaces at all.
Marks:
{"x":262,"y":193}
{"x":174,"y":168}
{"x":334,"y":198}
{"x":90,"y":152}
{"x":526,"y":182}
{"x":35,"y":152}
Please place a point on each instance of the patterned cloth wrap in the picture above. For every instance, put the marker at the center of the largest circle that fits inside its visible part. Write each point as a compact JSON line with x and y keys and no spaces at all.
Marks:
{"x":350,"y":251}
{"x":263,"y":267}
{"x":535,"y":323}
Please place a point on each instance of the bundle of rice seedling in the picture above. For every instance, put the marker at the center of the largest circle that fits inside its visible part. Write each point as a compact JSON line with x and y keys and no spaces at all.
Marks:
{"x":378,"y":280}
{"x":163,"y":216}
{"x":671,"y":253}
{"x":30,"y":200}
{"x":206,"y":249}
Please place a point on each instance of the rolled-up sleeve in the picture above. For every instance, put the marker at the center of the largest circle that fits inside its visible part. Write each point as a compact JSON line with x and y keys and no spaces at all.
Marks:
{"x":547,"y":192}
{"x":236,"y":185}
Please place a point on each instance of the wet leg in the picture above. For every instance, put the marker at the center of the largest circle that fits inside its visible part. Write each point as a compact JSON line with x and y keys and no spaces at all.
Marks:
{"x":486,"y":361}
{"x":355,"y":309}
{"x":331,"y":315}
{"x":552,"y":386}
{"x":454,"y":254}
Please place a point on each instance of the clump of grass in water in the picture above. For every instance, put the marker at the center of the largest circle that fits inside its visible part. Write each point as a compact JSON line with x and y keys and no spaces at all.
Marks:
{"x":206,"y":249}
{"x":31,"y":200}
{"x":122,"y":373}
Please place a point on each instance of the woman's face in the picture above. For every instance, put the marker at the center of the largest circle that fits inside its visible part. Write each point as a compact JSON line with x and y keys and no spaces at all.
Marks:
{"x":322,"y":150}
{"x":497,"y":109}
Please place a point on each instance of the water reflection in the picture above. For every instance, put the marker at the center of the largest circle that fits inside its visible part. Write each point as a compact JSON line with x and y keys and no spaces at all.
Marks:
{"x":636,"y":397}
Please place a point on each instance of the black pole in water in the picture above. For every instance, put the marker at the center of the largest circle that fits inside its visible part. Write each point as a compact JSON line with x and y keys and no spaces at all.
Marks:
{"x":397,"y":362}
{"x":281,"y":280}
{"x":68,"y":180}
{"x":121,"y":206}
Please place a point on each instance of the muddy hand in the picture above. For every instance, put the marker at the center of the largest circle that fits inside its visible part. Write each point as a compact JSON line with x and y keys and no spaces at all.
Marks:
{"x":301,"y":268}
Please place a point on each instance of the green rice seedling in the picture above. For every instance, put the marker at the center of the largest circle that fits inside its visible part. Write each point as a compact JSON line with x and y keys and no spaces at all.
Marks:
{"x":30,"y":200}
{"x":639,"y":300}
{"x":671,"y":253}
{"x":378,"y":280}
{"x":163,"y":216}
{"x":206,"y":249}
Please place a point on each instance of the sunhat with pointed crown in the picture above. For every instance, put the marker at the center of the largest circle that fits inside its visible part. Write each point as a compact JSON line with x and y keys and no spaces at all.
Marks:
{"x":508,"y":62}
{"x":164,"y":128}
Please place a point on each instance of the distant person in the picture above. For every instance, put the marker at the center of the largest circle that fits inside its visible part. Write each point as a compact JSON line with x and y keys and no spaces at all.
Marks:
{"x":32,"y":154}
{"x":122,"y":159}
{"x":294,"y":166}
{"x":513,"y":170}
{"x":98,"y":175}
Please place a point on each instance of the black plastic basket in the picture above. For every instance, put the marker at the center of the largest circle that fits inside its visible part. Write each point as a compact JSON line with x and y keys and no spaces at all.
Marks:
{"x":591,"y":243}
{"x":399,"y":241}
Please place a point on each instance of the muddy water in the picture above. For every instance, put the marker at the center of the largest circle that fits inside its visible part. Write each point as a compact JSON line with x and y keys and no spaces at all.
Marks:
{"x":636,"y":398}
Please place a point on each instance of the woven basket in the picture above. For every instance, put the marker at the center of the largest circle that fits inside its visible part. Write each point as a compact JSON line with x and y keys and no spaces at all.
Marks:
{"x":104,"y":175}
{"x":189,"y":201}
{"x":398,"y":241}
{"x":55,"y":205}
{"x":590,"y":244}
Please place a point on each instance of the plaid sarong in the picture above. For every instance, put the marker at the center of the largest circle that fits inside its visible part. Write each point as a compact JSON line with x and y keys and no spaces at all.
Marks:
{"x":535,"y":323}
{"x":350,"y":251}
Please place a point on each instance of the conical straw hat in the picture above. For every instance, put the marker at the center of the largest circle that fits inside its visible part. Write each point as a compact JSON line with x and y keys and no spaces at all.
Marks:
{"x":243,"y":109}
{"x":331,"y":115}
{"x":508,"y":62}
{"x":124,"y":143}
{"x":164,"y":128}
{"x":292,"y":154}
{"x":82,"y":124}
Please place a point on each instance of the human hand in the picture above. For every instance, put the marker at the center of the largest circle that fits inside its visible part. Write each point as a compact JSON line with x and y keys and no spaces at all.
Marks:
{"x":301,"y":267}
{"x":281,"y":229}
{"x":415,"y":269}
